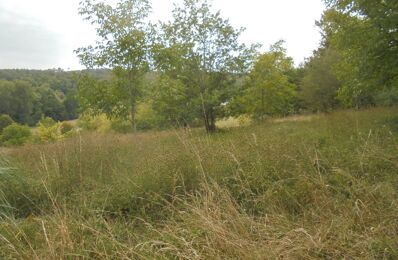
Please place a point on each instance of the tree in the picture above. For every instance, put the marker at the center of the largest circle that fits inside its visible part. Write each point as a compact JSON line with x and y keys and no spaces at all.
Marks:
{"x":319,"y":86}
{"x":6,"y":89}
{"x":28,"y":95}
{"x":71,"y":105}
{"x":365,"y":34}
{"x":123,"y":46}
{"x":16,"y":99}
{"x":269,"y":91}
{"x":174,"y":101}
{"x":200,"y":51}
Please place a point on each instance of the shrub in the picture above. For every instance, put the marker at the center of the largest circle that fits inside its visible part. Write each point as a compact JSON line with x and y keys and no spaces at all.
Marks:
{"x":15,"y":134}
{"x":49,"y":133}
{"x":147,"y":118}
{"x":94,"y":123}
{"x":121,"y":126}
{"x":5,"y":120}
{"x":65,"y":128}
{"x":46,"y":122}
{"x":387,"y":97}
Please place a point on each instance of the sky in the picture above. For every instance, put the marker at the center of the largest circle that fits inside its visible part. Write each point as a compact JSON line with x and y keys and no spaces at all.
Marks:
{"x":42,"y":34}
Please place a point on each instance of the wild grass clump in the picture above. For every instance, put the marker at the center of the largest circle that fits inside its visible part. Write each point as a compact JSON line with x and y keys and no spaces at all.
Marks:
{"x":325,"y":187}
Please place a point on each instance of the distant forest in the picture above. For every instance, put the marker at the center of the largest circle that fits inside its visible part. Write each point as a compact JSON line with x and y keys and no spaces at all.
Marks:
{"x":30,"y":95}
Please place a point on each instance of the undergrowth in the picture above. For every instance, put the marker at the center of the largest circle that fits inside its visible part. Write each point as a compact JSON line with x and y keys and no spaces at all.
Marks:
{"x":320,"y":188}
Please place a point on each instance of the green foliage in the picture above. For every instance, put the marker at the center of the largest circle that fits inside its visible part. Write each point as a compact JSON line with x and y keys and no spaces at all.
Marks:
{"x":99,"y":123}
{"x":48,"y":130}
{"x":364,"y":33}
{"x":387,"y":97}
{"x":319,"y":86}
{"x":29,"y":95}
{"x":201,"y":55}
{"x":66,"y":128}
{"x":15,"y":134}
{"x":48,"y":103}
{"x":174,"y":102}
{"x":47,"y":122}
{"x":102,"y":97}
{"x":269,"y":90}
{"x":16,"y":99}
{"x":123,"y":45}
{"x":147,"y":118}
{"x":5,"y":120}
{"x":122,"y":126}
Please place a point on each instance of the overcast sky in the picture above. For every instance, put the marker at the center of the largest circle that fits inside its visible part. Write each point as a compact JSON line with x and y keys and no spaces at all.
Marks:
{"x":42,"y":34}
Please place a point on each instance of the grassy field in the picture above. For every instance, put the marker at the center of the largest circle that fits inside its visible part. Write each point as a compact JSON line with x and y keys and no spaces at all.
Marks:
{"x":324,"y":187}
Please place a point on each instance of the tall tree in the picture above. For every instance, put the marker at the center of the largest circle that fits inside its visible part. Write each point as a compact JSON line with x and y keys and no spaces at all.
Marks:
{"x":366,"y":35}
{"x":124,"y":44}
{"x":319,"y":86}
{"x":201,"y":50}
{"x":269,"y":90}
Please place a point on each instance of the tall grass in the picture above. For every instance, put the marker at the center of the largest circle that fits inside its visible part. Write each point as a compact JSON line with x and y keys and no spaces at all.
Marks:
{"x":320,"y":188}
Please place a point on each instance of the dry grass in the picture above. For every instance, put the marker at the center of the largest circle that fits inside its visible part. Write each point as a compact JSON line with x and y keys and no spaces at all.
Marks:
{"x":324,"y":188}
{"x":297,"y":118}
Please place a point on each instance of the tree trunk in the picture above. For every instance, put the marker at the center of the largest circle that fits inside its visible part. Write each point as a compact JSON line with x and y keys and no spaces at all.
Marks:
{"x":133,"y":101}
{"x":132,"y":115}
{"x":210,"y":121}
{"x":206,"y":121}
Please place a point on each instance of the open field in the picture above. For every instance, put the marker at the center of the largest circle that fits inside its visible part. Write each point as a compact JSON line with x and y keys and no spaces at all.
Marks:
{"x":294,"y":189}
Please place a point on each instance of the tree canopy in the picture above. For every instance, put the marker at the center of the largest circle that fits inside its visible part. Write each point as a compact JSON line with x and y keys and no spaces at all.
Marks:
{"x":269,"y":89}
{"x":200,"y":53}
{"x":366,"y":35}
{"x":124,"y":44}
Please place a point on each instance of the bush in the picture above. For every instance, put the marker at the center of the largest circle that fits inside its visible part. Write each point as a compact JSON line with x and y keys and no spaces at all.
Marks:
{"x":94,"y":123}
{"x":387,"y":97}
{"x":5,"y":120}
{"x":15,"y":134}
{"x":121,"y":126}
{"x":49,"y":133}
{"x":46,"y":122}
{"x":66,"y":128}
{"x":147,"y":118}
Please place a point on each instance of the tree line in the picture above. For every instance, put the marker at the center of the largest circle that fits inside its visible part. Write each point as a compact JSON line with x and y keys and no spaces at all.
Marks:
{"x":27,"y":96}
{"x":193,"y":70}
{"x":201,"y":71}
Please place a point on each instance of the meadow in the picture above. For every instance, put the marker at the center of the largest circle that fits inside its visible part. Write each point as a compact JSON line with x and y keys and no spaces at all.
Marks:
{"x":322,"y":187}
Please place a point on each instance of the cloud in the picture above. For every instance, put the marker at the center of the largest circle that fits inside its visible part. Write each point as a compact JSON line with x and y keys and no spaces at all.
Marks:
{"x":26,"y":43}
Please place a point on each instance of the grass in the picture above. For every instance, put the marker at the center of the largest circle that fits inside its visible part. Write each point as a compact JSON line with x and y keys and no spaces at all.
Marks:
{"x":296,"y":189}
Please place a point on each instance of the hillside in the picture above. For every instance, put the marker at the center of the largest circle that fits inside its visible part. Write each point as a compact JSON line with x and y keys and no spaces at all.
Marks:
{"x":29,"y":95}
{"x":324,"y":187}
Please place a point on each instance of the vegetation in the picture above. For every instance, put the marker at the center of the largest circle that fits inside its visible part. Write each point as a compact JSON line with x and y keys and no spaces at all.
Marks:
{"x":27,"y":95}
{"x":322,"y":187}
{"x":5,"y":120}
{"x":275,"y":182}
{"x":365,"y":35}
{"x":201,"y":58}
{"x":194,"y":71}
{"x":319,"y":84}
{"x":269,"y":89}
{"x":15,"y":134}
{"x":124,"y":46}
